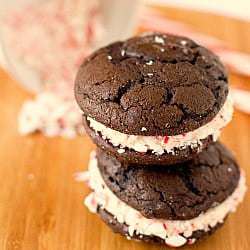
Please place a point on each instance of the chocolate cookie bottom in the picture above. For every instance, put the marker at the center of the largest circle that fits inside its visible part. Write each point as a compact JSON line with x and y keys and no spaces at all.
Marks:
{"x":123,"y":230}
{"x":172,"y":230}
{"x":148,"y":158}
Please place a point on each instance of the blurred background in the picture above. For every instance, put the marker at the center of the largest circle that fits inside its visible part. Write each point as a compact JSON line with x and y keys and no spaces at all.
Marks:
{"x":42,"y":44}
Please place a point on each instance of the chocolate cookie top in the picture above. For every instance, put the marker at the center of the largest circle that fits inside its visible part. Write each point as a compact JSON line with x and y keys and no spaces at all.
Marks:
{"x":164,"y":83}
{"x":177,"y":193}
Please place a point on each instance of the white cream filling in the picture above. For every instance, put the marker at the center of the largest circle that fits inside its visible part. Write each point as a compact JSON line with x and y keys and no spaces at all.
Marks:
{"x":166,"y":144}
{"x":169,"y":230}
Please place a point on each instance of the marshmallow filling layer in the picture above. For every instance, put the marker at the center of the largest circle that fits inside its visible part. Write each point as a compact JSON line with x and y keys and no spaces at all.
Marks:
{"x":173,"y":232}
{"x":166,"y":144}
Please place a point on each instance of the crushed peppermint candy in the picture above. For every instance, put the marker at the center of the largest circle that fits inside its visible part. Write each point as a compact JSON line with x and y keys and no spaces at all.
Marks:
{"x":176,"y":241}
{"x":109,"y":57}
{"x":162,"y":50}
{"x":143,"y":129}
{"x":150,"y":74}
{"x":66,"y":31}
{"x":131,"y":231}
{"x":166,"y":139}
{"x":51,"y":115}
{"x":123,"y":52}
{"x":159,"y":40}
{"x":82,"y":176}
{"x":121,"y":150}
{"x":191,"y":241}
{"x":150,"y":62}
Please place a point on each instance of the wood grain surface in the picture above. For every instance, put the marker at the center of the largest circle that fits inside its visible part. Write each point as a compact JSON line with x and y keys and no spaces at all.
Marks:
{"x":41,"y":205}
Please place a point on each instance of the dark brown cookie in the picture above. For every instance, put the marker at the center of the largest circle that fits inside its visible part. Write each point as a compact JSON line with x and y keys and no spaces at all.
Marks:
{"x":167,"y":84}
{"x":131,"y":156}
{"x":123,"y":230}
{"x":181,"y":192}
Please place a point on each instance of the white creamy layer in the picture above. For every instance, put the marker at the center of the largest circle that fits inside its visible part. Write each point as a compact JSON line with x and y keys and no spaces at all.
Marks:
{"x":169,"y":230}
{"x":166,"y":144}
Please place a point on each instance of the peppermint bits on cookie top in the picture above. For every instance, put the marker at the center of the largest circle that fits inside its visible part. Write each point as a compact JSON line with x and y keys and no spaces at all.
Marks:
{"x":167,"y":84}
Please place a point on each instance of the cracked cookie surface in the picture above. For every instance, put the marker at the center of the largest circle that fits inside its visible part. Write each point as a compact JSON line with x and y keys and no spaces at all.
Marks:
{"x":167,"y":84}
{"x":179,"y":193}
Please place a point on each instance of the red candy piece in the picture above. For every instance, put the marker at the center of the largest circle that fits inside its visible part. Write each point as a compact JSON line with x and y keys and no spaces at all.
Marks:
{"x":191,"y":241}
{"x":61,"y":123}
{"x":93,"y":202}
{"x":166,"y":138}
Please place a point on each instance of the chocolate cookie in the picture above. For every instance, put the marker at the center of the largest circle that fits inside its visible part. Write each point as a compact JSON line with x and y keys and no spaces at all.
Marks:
{"x":157,"y":84}
{"x":122,"y":229}
{"x":153,"y":99}
{"x":181,"y":192}
{"x":175,"y":206}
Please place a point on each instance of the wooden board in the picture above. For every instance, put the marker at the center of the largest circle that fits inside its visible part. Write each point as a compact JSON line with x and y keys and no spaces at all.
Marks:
{"x":41,"y":203}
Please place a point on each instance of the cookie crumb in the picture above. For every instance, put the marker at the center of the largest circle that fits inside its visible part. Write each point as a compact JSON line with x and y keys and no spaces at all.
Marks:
{"x":82,"y":176}
{"x":121,"y":150}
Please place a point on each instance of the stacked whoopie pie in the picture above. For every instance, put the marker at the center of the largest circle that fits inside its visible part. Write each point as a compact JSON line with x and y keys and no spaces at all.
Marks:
{"x":155,"y":106}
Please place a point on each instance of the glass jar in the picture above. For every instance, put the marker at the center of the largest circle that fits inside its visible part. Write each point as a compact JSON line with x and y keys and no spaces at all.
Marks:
{"x":44,"y":41}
